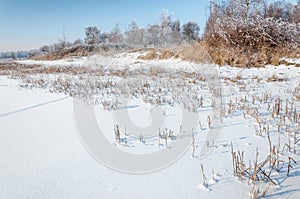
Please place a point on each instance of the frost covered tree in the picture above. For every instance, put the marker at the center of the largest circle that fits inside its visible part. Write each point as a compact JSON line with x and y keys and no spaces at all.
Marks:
{"x":78,"y":42}
{"x":294,"y":15}
{"x":45,"y":49}
{"x":176,"y":32}
{"x":116,"y":36}
{"x":190,"y":31}
{"x":176,"y":26}
{"x":165,"y":19}
{"x":252,"y":29}
{"x":237,"y":23}
{"x":104,"y":37}
{"x":92,"y":35}
{"x":13,"y":55}
{"x":166,"y":27}
{"x":279,"y":10}
{"x":153,"y":35}
{"x":135,"y":36}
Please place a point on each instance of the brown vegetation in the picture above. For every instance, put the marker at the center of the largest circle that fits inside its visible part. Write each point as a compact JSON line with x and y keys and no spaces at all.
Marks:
{"x":76,"y":51}
{"x":152,"y":54}
{"x":251,"y":33}
{"x":245,"y":57}
{"x":195,"y":52}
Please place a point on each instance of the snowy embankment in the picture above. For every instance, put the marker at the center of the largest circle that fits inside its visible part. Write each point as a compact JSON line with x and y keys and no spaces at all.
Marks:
{"x":118,"y":61}
{"x":66,"y":62}
{"x":42,"y":157}
{"x":292,"y":61}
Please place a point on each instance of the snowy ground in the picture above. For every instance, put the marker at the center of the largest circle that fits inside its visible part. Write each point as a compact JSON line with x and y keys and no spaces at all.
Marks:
{"x":67,"y":62}
{"x":292,"y":60}
{"x":42,"y":157}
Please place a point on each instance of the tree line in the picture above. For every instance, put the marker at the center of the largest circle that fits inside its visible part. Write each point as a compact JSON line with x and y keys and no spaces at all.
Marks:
{"x":233,"y":28}
{"x":165,"y":33}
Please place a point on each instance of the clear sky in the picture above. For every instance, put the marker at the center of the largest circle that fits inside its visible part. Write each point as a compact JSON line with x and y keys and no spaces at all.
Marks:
{"x":29,"y":24}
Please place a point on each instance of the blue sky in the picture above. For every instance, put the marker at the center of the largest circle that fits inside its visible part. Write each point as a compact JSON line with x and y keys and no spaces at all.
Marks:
{"x":28,"y":24}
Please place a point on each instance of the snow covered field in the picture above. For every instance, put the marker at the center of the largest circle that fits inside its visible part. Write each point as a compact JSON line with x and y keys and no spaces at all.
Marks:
{"x":42,"y":156}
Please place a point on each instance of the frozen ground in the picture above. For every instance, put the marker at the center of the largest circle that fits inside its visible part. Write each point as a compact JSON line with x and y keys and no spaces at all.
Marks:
{"x":42,"y":157}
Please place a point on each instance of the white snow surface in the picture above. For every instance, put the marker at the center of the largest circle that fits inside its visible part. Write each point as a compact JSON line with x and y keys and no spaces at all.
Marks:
{"x":64,"y":62}
{"x":42,"y":157}
{"x":292,"y":60}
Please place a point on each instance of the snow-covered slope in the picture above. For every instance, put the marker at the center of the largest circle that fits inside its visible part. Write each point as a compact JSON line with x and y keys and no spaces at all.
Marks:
{"x":66,"y":62}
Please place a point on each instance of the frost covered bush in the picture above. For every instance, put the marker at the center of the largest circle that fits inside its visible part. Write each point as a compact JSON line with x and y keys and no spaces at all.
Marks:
{"x":257,"y":32}
{"x":246,"y":31}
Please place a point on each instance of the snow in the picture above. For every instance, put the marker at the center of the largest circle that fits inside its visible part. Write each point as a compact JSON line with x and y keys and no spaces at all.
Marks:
{"x":292,"y":60}
{"x":64,"y":62}
{"x":42,"y":156}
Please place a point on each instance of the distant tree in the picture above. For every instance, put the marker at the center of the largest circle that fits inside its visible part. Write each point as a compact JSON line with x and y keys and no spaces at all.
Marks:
{"x":45,"y":49}
{"x":176,"y":32}
{"x":279,"y":10}
{"x":294,"y":16}
{"x":13,"y":55}
{"x":104,"y":37}
{"x":78,"y":42}
{"x":165,"y":19}
{"x":61,"y":45}
{"x":21,"y":54}
{"x":153,"y":35}
{"x":117,"y":29}
{"x":133,"y":25}
{"x":191,"y":31}
{"x":176,"y":26}
{"x":92,"y":34}
{"x":165,"y":27}
{"x":135,"y":36}
{"x":116,"y":36}
{"x":33,"y":53}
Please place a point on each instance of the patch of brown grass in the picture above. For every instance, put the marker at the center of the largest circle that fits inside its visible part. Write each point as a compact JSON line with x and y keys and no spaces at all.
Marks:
{"x":72,"y":52}
{"x":195,"y":52}
{"x":152,"y":54}
{"x":204,"y":52}
{"x":247,"y":57}
{"x":168,"y":54}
